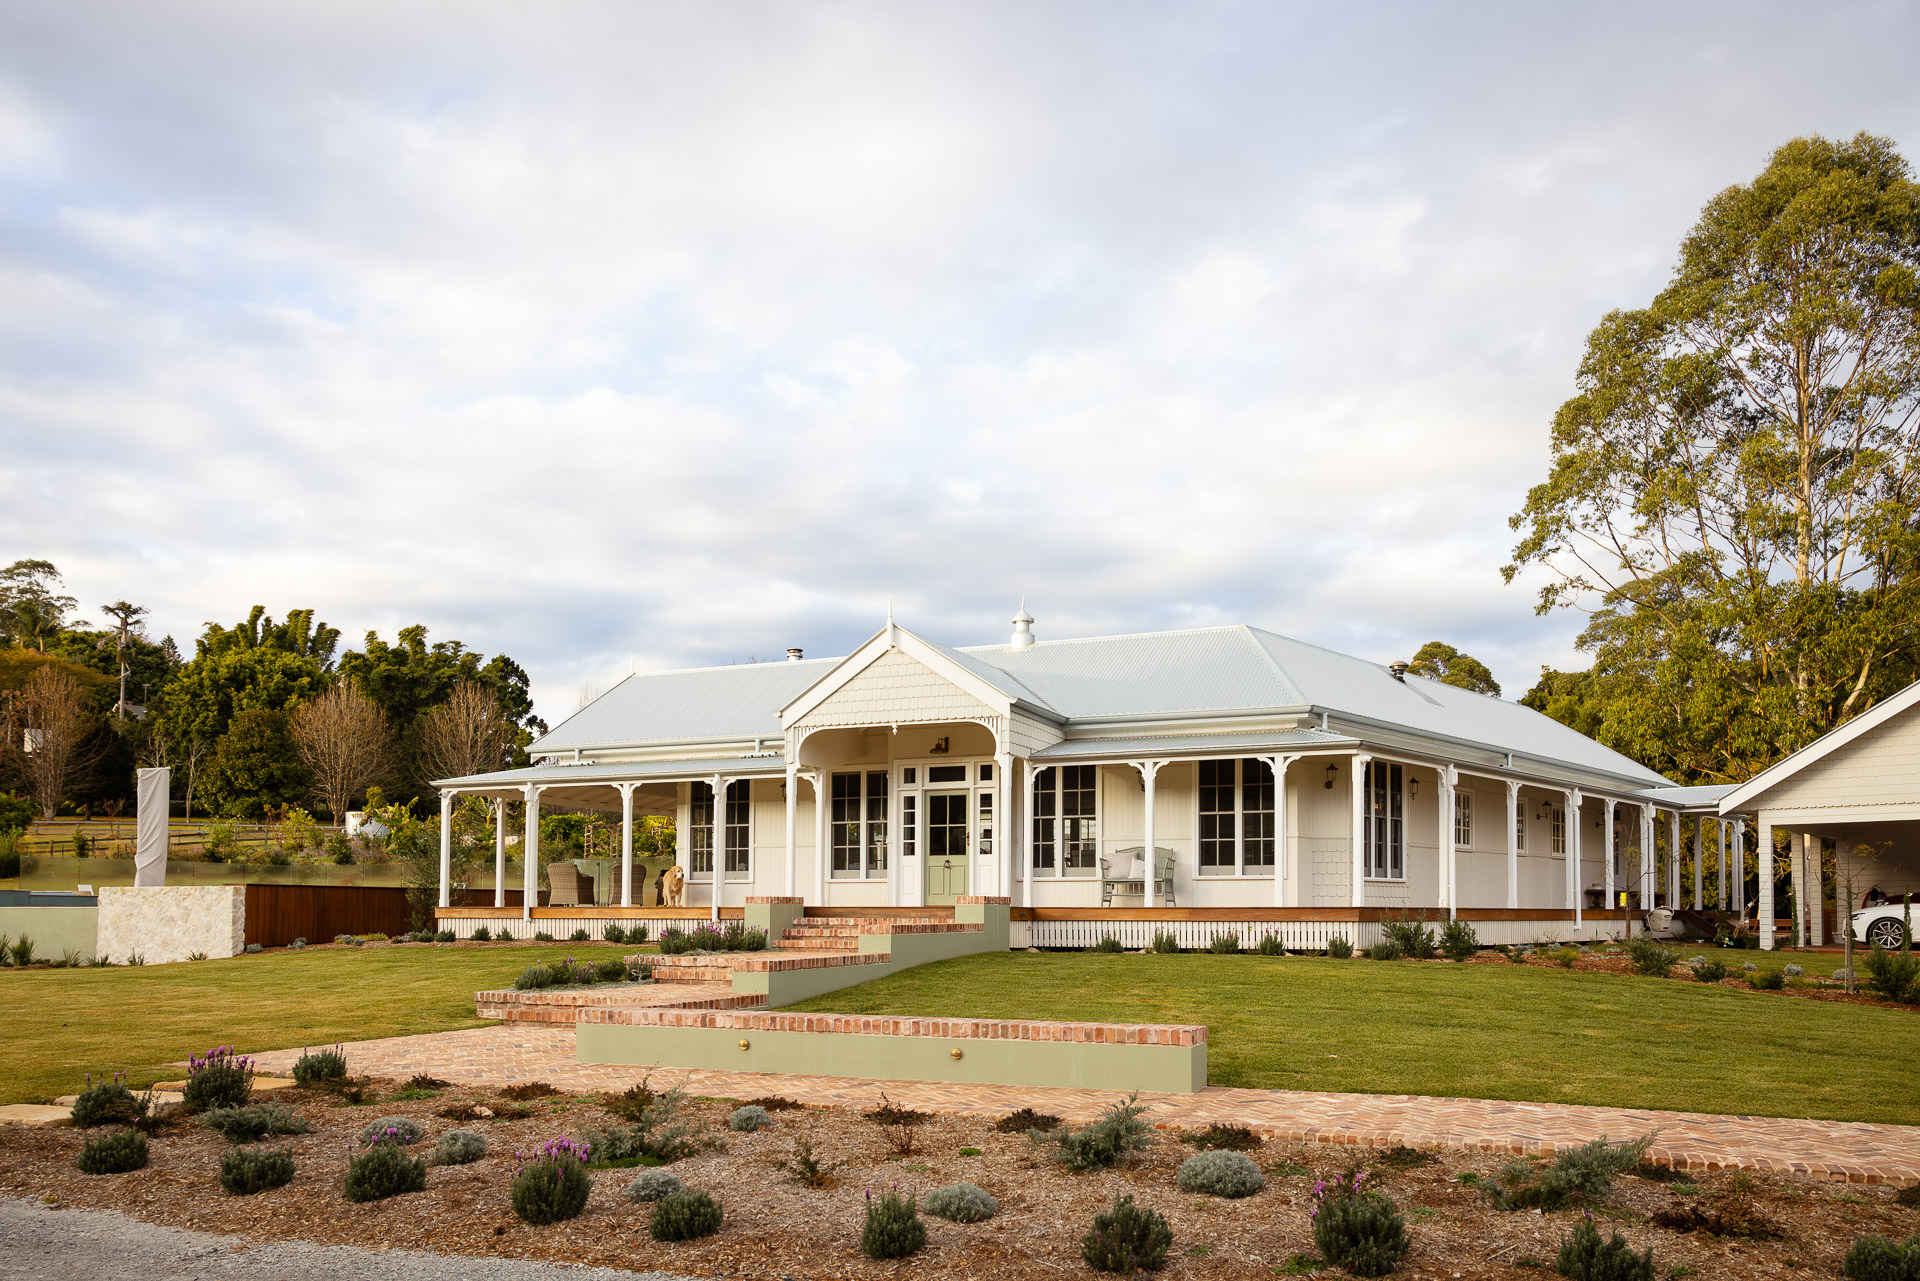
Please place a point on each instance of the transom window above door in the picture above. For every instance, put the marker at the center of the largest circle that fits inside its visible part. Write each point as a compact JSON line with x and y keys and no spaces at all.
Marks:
{"x":1236,"y":818}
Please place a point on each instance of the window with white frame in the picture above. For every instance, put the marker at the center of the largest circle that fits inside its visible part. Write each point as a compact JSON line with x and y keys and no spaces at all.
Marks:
{"x":1520,"y":827}
{"x":858,"y":824}
{"x":1236,"y":817}
{"x":1463,"y":820}
{"x":736,"y":829}
{"x":1559,"y":830}
{"x":1385,"y":854}
{"x":1065,"y":827}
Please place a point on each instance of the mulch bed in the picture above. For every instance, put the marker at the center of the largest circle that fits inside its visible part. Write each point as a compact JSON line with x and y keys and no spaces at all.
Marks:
{"x":775,"y":1228}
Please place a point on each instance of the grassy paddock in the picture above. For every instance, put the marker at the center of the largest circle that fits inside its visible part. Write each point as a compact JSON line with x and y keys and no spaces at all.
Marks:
{"x":1479,"y":1031}
{"x":62,"y":1023}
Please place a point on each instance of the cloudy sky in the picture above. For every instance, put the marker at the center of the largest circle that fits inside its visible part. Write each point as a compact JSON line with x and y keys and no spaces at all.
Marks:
{"x":681,"y":333}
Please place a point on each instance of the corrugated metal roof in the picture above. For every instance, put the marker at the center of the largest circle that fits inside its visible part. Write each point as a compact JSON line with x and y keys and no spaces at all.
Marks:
{"x":1681,"y":797}
{"x":704,"y":703}
{"x":1209,"y":671}
{"x":701,"y":767}
{"x":1278,"y":740}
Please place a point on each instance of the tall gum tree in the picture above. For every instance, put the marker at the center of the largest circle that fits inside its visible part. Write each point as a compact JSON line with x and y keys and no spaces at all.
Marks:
{"x":1731,"y":495}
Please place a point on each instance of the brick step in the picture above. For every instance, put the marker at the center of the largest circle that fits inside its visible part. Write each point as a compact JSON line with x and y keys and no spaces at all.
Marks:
{"x":818,"y":944}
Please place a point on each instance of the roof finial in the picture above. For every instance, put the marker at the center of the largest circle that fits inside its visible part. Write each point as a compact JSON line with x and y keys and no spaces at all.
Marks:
{"x":889,"y":611}
{"x":1022,"y":627}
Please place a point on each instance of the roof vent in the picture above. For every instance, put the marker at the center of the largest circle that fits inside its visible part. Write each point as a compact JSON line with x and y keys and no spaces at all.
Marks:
{"x":793,"y":653}
{"x":1022,"y":628}
{"x":1399,"y":670}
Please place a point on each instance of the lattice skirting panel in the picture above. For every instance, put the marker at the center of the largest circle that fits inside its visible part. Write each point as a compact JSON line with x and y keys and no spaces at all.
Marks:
{"x":1295,"y":936}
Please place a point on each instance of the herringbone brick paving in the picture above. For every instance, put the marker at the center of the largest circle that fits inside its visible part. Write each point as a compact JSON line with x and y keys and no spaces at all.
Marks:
{"x":1856,"y":1152}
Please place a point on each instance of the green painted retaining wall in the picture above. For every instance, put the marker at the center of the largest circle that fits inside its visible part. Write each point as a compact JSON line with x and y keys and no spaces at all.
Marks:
{"x":1173,"y":1069}
{"x":55,"y":931}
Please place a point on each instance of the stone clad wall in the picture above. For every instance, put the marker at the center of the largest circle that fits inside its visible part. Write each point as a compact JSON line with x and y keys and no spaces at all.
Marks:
{"x":171,"y":922}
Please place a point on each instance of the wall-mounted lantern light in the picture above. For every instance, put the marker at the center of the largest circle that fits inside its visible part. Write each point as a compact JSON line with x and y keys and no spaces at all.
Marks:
{"x":1413,"y":788}
{"x":1333,"y":772}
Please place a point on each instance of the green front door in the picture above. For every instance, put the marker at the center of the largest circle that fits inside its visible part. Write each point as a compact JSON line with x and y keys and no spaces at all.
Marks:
{"x":946,"y":846}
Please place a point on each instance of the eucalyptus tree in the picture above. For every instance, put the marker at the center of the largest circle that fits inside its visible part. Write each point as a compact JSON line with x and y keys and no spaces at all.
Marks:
{"x":1732,"y":492}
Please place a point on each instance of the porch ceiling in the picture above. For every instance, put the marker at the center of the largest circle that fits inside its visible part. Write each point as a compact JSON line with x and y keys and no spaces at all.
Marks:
{"x":592,"y":786}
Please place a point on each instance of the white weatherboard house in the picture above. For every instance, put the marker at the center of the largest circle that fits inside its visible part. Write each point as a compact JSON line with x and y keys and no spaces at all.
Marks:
{"x":1289,"y":790}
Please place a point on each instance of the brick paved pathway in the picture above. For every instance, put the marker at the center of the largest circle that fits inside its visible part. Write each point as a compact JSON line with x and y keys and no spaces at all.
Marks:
{"x":1854,"y":1151}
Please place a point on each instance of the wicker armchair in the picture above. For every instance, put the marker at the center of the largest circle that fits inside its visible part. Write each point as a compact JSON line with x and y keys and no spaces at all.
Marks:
{"x":569,"y":886}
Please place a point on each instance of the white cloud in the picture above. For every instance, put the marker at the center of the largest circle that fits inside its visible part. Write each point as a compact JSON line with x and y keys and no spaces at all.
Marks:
{"x":589,"y":332}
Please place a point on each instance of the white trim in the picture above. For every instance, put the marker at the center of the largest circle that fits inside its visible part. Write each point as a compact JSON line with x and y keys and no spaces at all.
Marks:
{"x":886,"y":639}
{"x":1744,"y":796}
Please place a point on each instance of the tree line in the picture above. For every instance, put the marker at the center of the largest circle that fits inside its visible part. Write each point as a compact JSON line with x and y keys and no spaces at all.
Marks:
{"x":263,"y":716}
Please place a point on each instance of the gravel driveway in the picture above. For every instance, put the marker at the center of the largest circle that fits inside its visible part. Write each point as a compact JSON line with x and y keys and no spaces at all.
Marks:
{"x":40,"y":1244}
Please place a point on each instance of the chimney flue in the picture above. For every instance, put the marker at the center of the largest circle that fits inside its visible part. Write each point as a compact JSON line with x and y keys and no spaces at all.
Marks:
{"x":1022,"y":628}
{"x":1399,"y":670}
{"x":793,"y":654}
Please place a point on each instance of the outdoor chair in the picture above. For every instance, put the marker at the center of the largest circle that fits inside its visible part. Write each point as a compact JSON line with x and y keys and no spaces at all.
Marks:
{"x":1111,"y":885}
{"x":570,"y":886}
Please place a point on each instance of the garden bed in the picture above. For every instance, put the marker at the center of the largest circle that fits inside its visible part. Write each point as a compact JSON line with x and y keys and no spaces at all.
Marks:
{"x":774,"y":1227}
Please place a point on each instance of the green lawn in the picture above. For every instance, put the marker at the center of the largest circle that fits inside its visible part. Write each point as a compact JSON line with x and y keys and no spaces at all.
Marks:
{"x":62,"y":1023}
{"x":1483,"y":1031}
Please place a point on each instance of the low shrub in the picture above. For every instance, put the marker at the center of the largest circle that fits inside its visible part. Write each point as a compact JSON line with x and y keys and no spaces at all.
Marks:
{"x":961,"y":1202}
{"x":115,"y":1153}
{"x":893,"y":1229}
{"x":554,"y":1185}
{"x":1114,"y":1137}
{"x":776,"y":1103}
{"x":390,"y":1129}
{"x":384,"y":1170}
{"x":748,"y":1119}
{"x":316,"y":1066}
{"x":1877,"y":1258}
{"x":580,"y":936}
{"x":614,"y":933}
{"x":1578,"y":1175}
{"x":1585,"y":1257}
{"x":1768,"y":981}
{"x":107,"y":1103}
{"x":1519,"y":955}
{"x":1894,"y":975}
{"x":1385,"y":950}
{"x":1357,"y":1228}
{"x":1650,"y":958}
{"x":1217,"y":1137}
{"x":611,"y":970}
{"x":1165,"y":942}
{"x":481,"y":935}
{"x":1402,"y":1157}
{"x":255,"y":1121}
{"x":542,"y":936}
{"x":1414,"y":938}
{"x":1127,"y":1239}
{"x":220,"y":1078}
{"x":443,"y":936}
{"x":1711,"y":971}
{"x":1458,"y":941}
{"x":459,"y":1147}
{"x":527,"y":1090}
{"x":674,"y":941}
{"x":1908,"y":1196}
{"x":684,"y":1216}
{"x":660,"y":1130}
{"x":652,"y":1185}
{"x":1026,"y":1120}
{"x":1225,"y":945}
{"x":244,"y":1171}
{"x":806,"y":1168}
{"x":1339,"y":947}
{"x":898,"y":1124}
{"x":1108,"y":943}
{"x":534,"y":978}
{"x":1270,"y":945}
{"x":1565,"y":957}
{"x":1220,"y":1173}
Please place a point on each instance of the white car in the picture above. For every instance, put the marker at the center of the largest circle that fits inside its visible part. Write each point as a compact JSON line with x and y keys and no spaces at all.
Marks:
{"x":1884,"y":924}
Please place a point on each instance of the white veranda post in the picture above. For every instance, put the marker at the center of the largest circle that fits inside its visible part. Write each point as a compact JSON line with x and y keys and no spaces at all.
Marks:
{"x":530,"y":855}
{"x":1720,"y":899}
{"x":1699,"y":861}
{"x":793,"y":823}
{"x":1740,"y":868}
{"x":1606,"y":853}
{"x":1281,"y":864}
{"x":1573,"y":857}
{"x":1513,"y":844}
{"x":1002,"y":825}
{"x":1766,"y":882}
{"x":1449,"y":840}
{"x":1151,"y":866}
{"x":1027,"y":776}
{"x":1646,"y":858}
{"x":1673,"y":859}
{"x":717,"y":845}
{"x":626,"y":843}
{"x":1359,"y":829}
{"x":500,"y":851}
{"x":446,"y":849}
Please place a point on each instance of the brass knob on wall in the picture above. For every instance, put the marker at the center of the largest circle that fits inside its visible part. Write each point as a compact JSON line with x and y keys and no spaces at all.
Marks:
{"x":955,"y":1052}
{"x":745,"y":1044}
